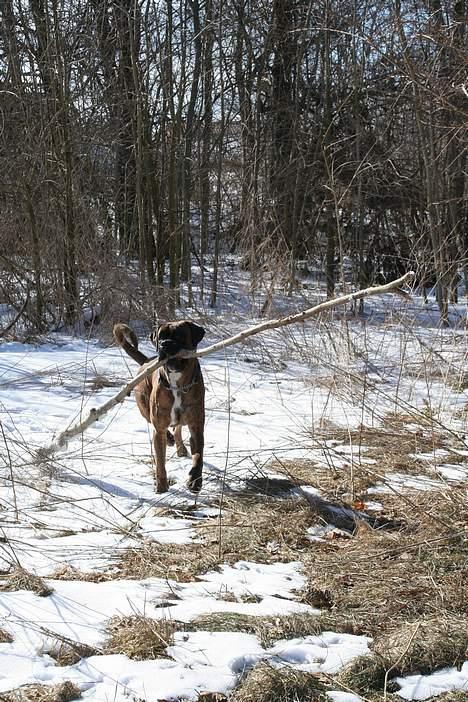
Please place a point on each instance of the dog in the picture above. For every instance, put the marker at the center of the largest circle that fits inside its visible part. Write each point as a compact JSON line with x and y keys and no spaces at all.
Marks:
{"x":172,"y":396}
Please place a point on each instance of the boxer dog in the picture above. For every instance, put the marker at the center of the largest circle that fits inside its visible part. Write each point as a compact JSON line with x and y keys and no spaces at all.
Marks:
{"x":172,"y":396}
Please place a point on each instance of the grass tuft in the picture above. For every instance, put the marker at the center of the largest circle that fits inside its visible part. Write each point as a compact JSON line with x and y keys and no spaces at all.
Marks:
{"x":267,"y":684}
{"x":21,"y":579}
{"x":70,"y":652}
{"x":364,"y":674}
{"x":425,"y":645}
{"x":5,"y":637}
{"x":138,"y":637}
{"x":420,"y":647}
{"x":63,"y":692}
{"x":268,"y":629}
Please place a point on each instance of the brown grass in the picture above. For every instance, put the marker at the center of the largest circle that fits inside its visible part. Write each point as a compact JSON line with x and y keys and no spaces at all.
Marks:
{"x":253,"y":528}
{"x":66,"y":652}
{"x":69,"y":573}
{"x":138,"y":637}
{"x":380,"y":580}
{"x":5,"y":637}
{"x":63,"y":692}
{"x":424,"y":645}
{"x":21,"y":579}
{"x":268,"y":629}
{"x":363,"y":675}
{"x":267,"y":684}
{"x":385,"y":584}
{"x":421,"y":647}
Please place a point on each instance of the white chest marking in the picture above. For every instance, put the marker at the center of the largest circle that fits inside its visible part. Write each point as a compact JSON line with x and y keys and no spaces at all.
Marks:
{"x":177,"y":404}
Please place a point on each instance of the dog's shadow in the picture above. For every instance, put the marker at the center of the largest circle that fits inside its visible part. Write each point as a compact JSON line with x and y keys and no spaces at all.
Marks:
{"x":338,"y":515}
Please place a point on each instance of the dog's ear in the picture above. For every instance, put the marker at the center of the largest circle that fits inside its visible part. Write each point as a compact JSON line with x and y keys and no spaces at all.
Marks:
{"x":197,"y":333}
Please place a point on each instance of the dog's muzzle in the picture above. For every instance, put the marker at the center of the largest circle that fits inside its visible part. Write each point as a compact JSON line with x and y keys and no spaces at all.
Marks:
{"x":167,"y":348}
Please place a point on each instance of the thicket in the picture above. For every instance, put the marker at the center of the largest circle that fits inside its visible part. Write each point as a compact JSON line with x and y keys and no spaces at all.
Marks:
{"x":143,"y":140}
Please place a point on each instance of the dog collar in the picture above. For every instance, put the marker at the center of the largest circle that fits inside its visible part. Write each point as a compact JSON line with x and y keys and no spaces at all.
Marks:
{"x":181,"y":388}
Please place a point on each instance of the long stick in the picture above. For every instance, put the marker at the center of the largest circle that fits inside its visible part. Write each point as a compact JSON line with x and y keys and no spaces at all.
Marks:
{"x":97,"y":412}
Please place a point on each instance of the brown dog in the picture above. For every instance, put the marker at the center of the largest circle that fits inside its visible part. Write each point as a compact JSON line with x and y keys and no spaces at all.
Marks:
{"x":174,"y":395}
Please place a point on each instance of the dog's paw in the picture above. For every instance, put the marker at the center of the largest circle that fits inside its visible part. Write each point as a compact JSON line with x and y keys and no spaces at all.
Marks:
{"x":194,"y":483}
{"x":162,"y":486}
{"x":182,"y":451}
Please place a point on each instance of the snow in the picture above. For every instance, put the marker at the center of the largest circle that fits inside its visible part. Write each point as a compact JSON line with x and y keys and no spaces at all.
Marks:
{"x":396,"y":482}
{"x":326,"y":653}
{"x":84,"y":509}
{"x":422,"y":687}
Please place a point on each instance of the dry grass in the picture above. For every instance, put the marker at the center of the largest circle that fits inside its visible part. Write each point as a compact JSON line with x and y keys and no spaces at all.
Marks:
{"x":423,"y":645}
{"x":391,"y":447}
{"x":138,"y":637}
{"x":253,"y":528}
{"x":363,"y":675}
{"x":5,"y":637}
{"x":63,"y":692}
{"x":66,"y":652}
{"x":69,"y":573}
{"x":268,"y":629}
{"x":380,"y":580}
{"x":267,"y":684}
{"x":385,"y":584}
{"x":21,"y":579}
{"x":419,"y":647}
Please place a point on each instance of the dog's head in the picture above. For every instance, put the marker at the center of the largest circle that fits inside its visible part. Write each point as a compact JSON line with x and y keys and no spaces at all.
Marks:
{"x":172,"y":337}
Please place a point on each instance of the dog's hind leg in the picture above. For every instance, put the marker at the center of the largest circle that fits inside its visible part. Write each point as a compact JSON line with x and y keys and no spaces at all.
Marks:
{"x":159,"y":443}
{"x":194,"y":482}
{"x":181,"y":450}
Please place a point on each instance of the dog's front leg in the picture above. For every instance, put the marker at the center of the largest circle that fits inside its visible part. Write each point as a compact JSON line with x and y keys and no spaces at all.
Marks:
{"x":195,"y":479}
{"x":159,"y":443}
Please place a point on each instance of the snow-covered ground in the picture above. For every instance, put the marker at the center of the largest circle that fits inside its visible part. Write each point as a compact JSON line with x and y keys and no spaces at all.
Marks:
{"x":95,"y":499}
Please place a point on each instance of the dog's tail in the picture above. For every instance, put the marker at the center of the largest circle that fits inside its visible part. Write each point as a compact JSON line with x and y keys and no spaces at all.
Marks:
{"x":127,"y":339}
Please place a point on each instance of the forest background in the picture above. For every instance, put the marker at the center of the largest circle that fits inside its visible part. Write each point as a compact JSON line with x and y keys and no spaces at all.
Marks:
{"x":145,"y":143}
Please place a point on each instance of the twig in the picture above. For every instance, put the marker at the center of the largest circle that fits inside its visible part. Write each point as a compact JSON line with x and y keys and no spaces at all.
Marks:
{"x":4,"y":332}
{"x":96,"y":413}
{"x":399,"y":659}
{"x":12,"y":477}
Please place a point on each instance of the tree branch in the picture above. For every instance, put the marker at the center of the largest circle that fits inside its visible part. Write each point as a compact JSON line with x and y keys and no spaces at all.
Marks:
{"x":96,"y":413}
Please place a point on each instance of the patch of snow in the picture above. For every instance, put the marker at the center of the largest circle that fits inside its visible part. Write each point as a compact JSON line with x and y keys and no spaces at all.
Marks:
{"x":431,"y":456}
{"x":422,"y":687}
{"x":326,"y":653}
{"x":325,"y":532}
{"x":453,"y":472}
{"x":338,"y":696}
{"x":373,"y":506}
{"x":397,"y":482}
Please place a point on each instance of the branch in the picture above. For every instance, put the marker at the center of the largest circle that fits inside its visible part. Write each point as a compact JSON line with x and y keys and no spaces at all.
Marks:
{"x":96,"y":413}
